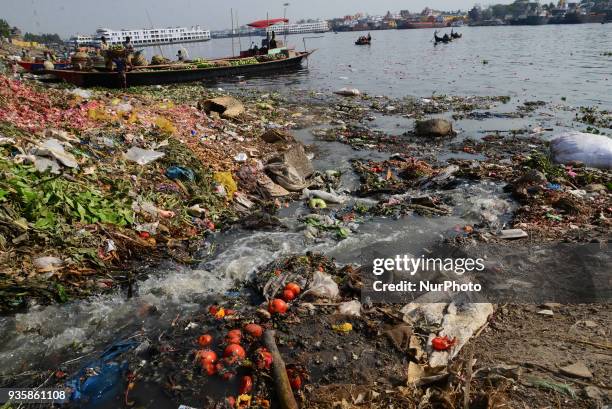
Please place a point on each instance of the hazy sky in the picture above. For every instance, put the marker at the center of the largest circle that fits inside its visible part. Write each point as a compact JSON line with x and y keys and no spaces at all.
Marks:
{"x":68,"y":17}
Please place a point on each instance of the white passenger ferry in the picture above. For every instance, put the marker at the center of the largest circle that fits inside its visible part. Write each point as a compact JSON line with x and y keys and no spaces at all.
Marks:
{"x":319,"y":26}
{"x":155,"y":36}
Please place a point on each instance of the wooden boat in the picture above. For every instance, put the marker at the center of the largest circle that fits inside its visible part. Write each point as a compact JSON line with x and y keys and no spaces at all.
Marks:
{"x":39,"y":66}
{"x":363,"y":42}
{"x":444,"y":40}
{"x":157,"y":75}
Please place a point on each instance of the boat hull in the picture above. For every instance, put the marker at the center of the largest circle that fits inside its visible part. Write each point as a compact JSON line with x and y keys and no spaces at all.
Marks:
{"x":159,"y":77}
{"x":530,"y":21}
{"x":417,"y":25}
{"x":38,"y":66}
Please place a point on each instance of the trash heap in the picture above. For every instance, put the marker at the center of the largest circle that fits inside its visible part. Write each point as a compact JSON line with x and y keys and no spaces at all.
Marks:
{"x":295,"y":334}
{"x":93,"y":182}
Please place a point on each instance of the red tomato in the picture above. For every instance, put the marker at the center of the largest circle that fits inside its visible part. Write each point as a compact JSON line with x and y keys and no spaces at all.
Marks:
{"x":234,"y":350}
{"x":293,"y":287}
{"x":210,"y":369}
{"x":296,"y":382}
{"x":233,"y":340}
{"x":443,"y":343}
{"x":263,"y":358}
{"x":278,"y":306}
{"x":246,"y":385}
{"x":144,"y":234}
{"x":207,"y":356}
{"x":234,"y":333}
{"x":213,"y":309}
{"x":254,"y":330}
{"x":288,"y":295}
{"x":205,"y":340}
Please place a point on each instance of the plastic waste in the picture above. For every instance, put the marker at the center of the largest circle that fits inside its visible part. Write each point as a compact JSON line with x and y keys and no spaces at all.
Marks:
{"x":180,"y":173}
{"x":348,"y":92}
{"x":100,"y":379}
{"x":227,"y":181}
{"x":165,"y":125}
{"x":344,"y":327}
{"x":323,"y":286}
{"x":54,"y":149}
{"x":82,"y":93}
{"x":317,"y":204}
{"x":350,"y":308}
{"x":150,"y":228}
{"x":327,"y":196}
{"x":592,"y":150}
{"x":142,"y":156}
{"x":44,"y":264}
{"x":241,"y":157}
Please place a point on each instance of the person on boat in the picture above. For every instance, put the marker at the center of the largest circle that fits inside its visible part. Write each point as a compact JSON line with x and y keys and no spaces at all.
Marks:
{"x":180,"y":56}
{"x":104,"y":47}
{"x":369,"y":37}
{"x":273,"y":41}
{"x":103,"y":44}
{"x":446,"y":38}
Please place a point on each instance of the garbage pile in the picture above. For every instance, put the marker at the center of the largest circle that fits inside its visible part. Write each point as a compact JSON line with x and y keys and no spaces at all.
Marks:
{"x":93,"y":182}
{"x":296,"y":333}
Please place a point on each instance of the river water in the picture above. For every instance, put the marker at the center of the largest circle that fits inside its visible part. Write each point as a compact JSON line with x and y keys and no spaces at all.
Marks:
{"x":526,"y":63}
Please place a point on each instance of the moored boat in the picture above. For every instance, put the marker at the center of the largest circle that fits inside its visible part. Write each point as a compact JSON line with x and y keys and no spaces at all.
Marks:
{"x":40,"y":66}
{"x":168,"y":74}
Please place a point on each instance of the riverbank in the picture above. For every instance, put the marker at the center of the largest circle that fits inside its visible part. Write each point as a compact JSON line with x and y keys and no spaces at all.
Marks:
{"x":381,"y":178}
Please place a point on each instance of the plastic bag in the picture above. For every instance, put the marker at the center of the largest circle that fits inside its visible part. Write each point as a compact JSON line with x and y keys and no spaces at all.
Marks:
{"x":165,"y":125}
{"x":181,"y":173}
{"x":592,"y":150}
{"x":323,"y":286}
{"x":143,"y":156}
{"x":328,"y":197}
{"x":101,"y":379}
{"x":227,"y":181}
{"x":350,"y":308}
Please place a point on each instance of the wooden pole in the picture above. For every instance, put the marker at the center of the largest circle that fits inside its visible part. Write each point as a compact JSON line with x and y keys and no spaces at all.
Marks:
{"x":279,"y":372}
{"x":232,"y":17}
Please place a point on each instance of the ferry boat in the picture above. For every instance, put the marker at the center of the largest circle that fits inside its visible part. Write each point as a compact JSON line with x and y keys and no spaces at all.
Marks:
{"x":155,"y":36}
{"x":319,"y":26}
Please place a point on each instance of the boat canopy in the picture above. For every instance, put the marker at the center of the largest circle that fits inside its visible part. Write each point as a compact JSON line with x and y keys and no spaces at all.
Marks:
{"x":267,"y":23}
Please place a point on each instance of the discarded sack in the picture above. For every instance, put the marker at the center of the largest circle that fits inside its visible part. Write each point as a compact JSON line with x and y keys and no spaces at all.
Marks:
{"x":227,"y":107}
{"x":435,"y":127}
{"x":592,"y":150}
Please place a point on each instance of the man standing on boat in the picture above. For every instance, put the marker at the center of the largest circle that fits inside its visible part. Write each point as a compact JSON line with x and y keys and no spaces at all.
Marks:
{"x":273,"y":41}
{"x":104,"y":47}
{"x":129,"y":49}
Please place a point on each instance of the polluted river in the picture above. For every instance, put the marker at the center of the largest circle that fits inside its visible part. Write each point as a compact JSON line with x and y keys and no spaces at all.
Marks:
{"x":505,"y":100}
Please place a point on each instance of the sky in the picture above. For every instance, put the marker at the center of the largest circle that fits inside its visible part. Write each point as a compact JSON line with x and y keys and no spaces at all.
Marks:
{"x":68,"y":17}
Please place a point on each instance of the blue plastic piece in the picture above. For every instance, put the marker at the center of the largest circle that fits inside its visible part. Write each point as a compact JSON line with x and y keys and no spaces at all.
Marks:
{"x":101,"y":379}
{"x":181,"y":173}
